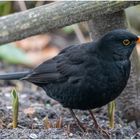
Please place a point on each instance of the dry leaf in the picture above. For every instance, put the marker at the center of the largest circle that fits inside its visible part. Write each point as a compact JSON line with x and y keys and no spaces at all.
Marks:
{"x":1,"y":124}
{"x":59,"y":123}
{"x":34,"y":43}
{"x":29,"y":111}
{"x":47,"y":123}
{"x":40,"y":56}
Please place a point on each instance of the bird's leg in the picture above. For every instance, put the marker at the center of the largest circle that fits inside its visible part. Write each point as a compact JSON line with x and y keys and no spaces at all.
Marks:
{"x":77,"y":121}
{"x":94,"y":119}
{"x":97,"y":126}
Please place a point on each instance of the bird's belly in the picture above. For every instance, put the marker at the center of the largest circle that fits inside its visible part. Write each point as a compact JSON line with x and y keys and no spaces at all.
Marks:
{"x":85,"y":97}
{"x":107,"y":91}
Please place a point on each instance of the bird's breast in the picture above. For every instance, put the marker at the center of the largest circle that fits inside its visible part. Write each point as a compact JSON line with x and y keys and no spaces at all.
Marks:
{"x":105,"y":84}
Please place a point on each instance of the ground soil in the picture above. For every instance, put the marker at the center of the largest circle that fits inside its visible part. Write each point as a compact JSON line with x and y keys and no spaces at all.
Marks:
{"x":35,"y":106}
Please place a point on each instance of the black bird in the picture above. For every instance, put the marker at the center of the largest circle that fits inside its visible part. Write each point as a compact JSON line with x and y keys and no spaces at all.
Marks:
{"x":85,"y":76}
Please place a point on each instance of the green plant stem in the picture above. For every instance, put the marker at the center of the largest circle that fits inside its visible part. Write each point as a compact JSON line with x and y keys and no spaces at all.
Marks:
{"x":15,"y":107}
{"x":111,"y":113}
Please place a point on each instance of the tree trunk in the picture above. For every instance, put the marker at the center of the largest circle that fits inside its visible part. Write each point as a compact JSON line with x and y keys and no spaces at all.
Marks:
{"x":129,"y":100}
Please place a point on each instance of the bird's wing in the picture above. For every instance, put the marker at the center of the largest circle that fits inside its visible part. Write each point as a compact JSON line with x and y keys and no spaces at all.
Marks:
{"x":68,"y":63}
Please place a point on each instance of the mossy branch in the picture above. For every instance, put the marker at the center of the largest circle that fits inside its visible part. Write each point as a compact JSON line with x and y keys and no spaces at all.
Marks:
{"x":55,"y":15}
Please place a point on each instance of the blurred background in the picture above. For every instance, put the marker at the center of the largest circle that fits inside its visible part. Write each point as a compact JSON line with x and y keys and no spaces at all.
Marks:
{"x":34,"y":50}
{"x":31,"y":51}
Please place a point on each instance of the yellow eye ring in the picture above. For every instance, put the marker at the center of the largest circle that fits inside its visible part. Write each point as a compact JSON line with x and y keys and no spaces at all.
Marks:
{"x":126,"y":42}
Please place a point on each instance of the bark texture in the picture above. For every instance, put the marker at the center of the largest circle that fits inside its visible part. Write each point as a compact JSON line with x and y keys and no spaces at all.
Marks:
{"x":55,"y":15}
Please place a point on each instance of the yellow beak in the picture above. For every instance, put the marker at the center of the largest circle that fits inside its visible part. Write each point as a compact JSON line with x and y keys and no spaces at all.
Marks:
{"x":138,"y":41}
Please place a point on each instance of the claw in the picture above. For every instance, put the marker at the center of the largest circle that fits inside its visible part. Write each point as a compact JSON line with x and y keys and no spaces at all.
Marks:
{"x":79,"y":124}
{"x":98,"y":127}
{"x":104,"y":132}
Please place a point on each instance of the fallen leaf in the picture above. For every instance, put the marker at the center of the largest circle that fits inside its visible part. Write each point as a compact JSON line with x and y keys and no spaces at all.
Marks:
{"x":1,"y":124}
{"x":47,"y":123}
{"x":59,"y":123}
{"x":34,"y":43}
{"x":29,"y":111}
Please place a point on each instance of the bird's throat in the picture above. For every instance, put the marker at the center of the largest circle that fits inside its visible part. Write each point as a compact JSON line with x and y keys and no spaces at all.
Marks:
{"x":119,"y":57}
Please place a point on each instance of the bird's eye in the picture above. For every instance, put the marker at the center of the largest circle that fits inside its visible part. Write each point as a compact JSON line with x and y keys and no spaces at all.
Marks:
{"x":126,"y":42}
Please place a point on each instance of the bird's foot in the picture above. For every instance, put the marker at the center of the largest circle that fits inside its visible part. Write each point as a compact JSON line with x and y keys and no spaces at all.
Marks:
{"x":97,"y":126}
{"x":70,"y":128}
{"x":79,"y":124}
{"x":103,"y":131}
{"x":81,"y":127}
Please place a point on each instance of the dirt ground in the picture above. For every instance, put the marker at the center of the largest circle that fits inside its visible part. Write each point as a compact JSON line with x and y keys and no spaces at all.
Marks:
{"x":35,"y":106}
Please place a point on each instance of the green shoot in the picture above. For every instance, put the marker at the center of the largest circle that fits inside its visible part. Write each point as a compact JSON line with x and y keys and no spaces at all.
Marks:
{"x":15,"y":106}
{"x":111,"y":113}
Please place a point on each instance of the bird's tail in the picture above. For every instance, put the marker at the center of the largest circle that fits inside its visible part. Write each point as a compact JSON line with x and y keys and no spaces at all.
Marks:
{"x":13,"y":76}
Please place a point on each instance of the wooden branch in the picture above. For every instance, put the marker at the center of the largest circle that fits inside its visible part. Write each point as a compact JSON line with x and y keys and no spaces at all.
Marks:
{"x":55,"y":15}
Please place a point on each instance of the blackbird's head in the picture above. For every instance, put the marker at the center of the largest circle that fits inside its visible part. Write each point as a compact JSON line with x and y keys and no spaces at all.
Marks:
{"x":118,"y":44}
